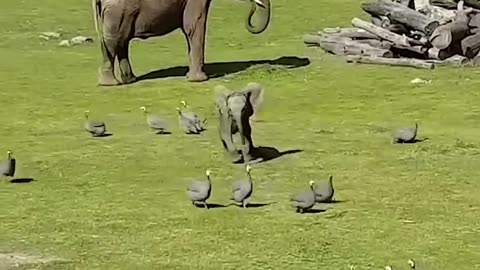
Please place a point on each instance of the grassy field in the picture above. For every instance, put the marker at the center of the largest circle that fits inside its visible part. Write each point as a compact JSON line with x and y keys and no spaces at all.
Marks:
{"x":119,"y":202}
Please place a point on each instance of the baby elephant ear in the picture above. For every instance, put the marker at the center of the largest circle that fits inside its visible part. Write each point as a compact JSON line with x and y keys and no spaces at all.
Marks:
{"x":221,"y":93}
{"x":254,"y":92}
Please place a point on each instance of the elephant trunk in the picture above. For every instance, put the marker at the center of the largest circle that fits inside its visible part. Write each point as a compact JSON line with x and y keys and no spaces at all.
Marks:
{"x":262,"y":7}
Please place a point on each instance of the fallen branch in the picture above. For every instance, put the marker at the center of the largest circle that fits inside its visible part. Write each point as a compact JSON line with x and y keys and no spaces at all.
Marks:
{"x":471,"y":45}
{"x":351,"y":32}
{"x":380,"y":32}
{"x":421,"y":64}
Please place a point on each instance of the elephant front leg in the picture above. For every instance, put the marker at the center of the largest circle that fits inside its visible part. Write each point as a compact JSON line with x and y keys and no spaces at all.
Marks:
{"x":106,"y":75}
{"x":195,"y":24}
{"x":126,"y":73}
{"x":226,"y":137}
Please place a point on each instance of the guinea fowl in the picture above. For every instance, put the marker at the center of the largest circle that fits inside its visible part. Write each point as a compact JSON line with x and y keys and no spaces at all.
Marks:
{"x":406,"y":135}
{"x":242,"y":190}
{"x":305,"y":200}
{"x":94,"y":127}
{"x":411,"y":263}
{"x":324,"y":191}
{"x":199,"y":191}
{"x":193,"y":117}
{"x":188,"y":125}
{"x":155,"y":122}
{"x":7,"y":166}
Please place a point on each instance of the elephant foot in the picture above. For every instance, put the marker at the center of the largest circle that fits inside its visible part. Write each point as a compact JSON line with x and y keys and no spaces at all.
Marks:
{"x":237,"y":158}
{"x":129,"y":79}
{"x":199,"y":76}
{"x":106,"y":78}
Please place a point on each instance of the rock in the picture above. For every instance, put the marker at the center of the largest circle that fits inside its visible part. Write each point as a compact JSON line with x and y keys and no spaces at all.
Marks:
{"x":81,"y":39}
{"x":64,"y":43}
{"x":418,"y":81}
{"x":49,"y":35}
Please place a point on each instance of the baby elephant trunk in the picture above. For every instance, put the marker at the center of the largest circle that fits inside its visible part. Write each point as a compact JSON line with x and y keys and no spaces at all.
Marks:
{"x":262,"y":8}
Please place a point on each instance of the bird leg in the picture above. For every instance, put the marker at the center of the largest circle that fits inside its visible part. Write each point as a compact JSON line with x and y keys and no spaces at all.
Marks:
{"x":205,"y":204}
{"x":244,"y":204}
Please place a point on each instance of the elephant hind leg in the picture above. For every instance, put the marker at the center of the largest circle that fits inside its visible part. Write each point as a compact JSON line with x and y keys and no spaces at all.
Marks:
{"x":126,"y":73}
{"x":106,"y":75}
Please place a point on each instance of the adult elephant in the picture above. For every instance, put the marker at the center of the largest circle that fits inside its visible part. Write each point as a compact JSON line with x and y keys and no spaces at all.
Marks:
{"x":119,"y":21}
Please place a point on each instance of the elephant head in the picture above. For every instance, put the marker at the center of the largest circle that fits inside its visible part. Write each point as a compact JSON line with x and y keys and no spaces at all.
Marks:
{"x":235,"y":109}
{"x":262,"y":7}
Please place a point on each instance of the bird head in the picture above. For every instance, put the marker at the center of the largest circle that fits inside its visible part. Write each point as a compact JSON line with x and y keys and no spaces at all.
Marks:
{"x":86,"y":113}
{"x":311,"y":183}
{"x":388,"y":267}
{"x":9,"y":153}
{"x":178,"y":110}
{"x":330,"y":178}
{"x":248,"y":168}
{"x":143,"y":109}
{"x":411,"y":263}
{"x":207,"y":173}
{"x":183,"y":103}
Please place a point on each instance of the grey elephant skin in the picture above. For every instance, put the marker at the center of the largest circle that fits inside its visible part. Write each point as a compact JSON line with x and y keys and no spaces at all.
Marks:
{"x":234,"y":112}
{"x":119,"y":21}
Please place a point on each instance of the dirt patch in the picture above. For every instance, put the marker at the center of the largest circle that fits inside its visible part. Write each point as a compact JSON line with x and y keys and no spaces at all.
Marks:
{"x":17,"y":261}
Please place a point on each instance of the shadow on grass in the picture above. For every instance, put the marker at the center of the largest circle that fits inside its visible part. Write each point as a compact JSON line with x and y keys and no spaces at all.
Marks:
{"x":163,"y":133}
{"x":412,"y":141}
{"x":103,"y":135}
{"x":210,"y":205}
{"x":22,"y":180}
{"x":313,"y":211}
{"x":252,"y":205}
{"x":220,"y":69}
{"x":264,"y":153}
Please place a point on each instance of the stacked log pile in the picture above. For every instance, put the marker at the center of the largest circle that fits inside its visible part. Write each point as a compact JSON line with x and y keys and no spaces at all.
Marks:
{"x":416,"y":33}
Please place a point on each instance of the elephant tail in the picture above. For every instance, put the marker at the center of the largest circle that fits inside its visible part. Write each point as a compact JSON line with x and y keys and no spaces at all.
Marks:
{"x":97,"y":15}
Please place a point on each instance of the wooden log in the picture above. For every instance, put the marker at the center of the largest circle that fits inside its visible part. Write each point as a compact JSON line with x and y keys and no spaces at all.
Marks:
{"x":471,"y":3}
{"x":455,"y":60}
{"x":313,"y":40}
{"x":381,"y":44}
{"x":380,"y":32}
{"x":401,"y":14}
{"x":441,"y":15}
{"x":420,"y":4}
{"x":450,"y":33}
{"x":405,"y":62}
{"x":385,"y":23}
{"x":471,"y":45}
{"x":474,"y":23}
{"x":351,"y":32}
{"x":447,"y":4}
{"x":352,"y":47}
{"x":420,"y":50}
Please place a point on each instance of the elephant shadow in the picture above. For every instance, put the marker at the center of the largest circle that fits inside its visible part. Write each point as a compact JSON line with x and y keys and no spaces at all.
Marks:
{"x":264,"y":153}
{"x":220,"y":69}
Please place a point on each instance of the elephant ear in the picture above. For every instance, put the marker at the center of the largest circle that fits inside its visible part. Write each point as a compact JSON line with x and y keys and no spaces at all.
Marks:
{"x":221,"y":94}
{"x":254,"y":92}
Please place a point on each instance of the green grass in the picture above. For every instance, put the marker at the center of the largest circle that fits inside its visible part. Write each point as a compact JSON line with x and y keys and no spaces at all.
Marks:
{"x":119,"y":202}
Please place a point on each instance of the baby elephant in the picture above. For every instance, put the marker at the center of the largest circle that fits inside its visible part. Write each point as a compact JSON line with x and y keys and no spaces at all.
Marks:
{"x":235,"y":109}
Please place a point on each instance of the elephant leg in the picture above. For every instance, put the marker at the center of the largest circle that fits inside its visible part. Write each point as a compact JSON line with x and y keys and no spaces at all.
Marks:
{"x":245,"y":136}
{"x":126,"y":73}
{"x":226,"y":137}
{"x":106,"y":76}
{"x":195,"y":24}
{"x":248,"y":148}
